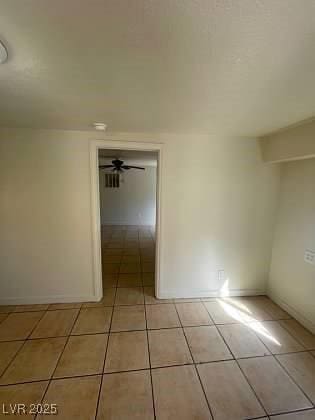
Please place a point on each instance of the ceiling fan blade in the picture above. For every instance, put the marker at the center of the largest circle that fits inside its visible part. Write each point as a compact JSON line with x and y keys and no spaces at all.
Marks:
{"x":106,"y":166}
{"x":132,"y":167}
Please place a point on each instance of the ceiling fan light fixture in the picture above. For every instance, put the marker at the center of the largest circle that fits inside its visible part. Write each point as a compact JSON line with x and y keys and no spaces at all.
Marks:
{"x":3,"y":53}
{"x":100,"y":126}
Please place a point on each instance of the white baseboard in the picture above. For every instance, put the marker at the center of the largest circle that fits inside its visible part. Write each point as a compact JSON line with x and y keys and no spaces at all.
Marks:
{"x":180,"y":294}
{"x":32,"y":300}
{"x":127,"y":224}
{"x":307,"y":323}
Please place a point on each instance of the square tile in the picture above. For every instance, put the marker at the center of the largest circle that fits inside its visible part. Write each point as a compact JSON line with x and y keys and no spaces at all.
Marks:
{"x":56,"y":323}
{"x":31,"y":308}
{"x":148,"y":258}
{"x":146,"y":242}
{"x":227,"y":391}
{"x":206,"y":344}
{"x":117,"y":237}
{"x":110,"y":268}
{"x":112,"y":259}
{"x":131,"y":251}
{"x":162,"y":316}
{"x":148,"y":279}
{"x":130,"y":280}
{"x":24,"y":394}
{"x":130,"y":268}
{"x":242,"y":341}
{"x":6,"y":309}
{"x":126,"y":395}
{"x":301,"y":334}
{"x":129,"y":296}
{"x":108,"y":297}
{"x":147,"y":252}
{"x":127,"y":351}
{"x":178,"y":394}
{"x":18,"y":326}
{"x":193,"y":314}
{"x":35,"y":361}
{"x":276,"y":390}
{"x":7,"y":352}
{"x":128,"y":318}
{"x":107,"y":300}
{"x":110,"y":280}
{"x":301,"y":367}
{"x":131,"y":259}
{"x":250,"y":307}
{"x":272,"y":308}
{"x":168,"y":347}
{"x":75,"y":305}
{"x":115,"y":245}
{"x":76,"y":398}
{"x":131,"y":244}
{"x":113,"y":251}
{"x":3,"y":317}
{"x":150,"y":299}
{"x":276,"y":338}
{"x":223,"y":313}
{"x":93,"y":321}
{"x":83,"y":355}
{"x":148,"y":267}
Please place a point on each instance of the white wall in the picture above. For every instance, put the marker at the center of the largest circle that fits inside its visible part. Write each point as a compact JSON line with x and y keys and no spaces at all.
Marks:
{"x":292,"y":280}
{"x":45,"y":240}
{"x":217,"y":211}
{"x":134,"y":202}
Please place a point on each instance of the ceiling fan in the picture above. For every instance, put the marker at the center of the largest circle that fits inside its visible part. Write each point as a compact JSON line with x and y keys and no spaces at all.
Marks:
{"x":118,"y":166}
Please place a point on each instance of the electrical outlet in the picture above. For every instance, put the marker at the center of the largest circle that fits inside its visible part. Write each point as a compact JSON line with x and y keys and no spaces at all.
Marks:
{"x":309,"y":256}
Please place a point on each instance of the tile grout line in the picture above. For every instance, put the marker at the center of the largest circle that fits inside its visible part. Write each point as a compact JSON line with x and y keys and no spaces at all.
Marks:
{"x":290,"y":333}
{"x":274,"y":355}
{"x":150,"y":366}
{"x":245,"y":377}
{"x":271,"y":355}
{"x":58,"y":360}
{"x":293,"y":380}
{"x":194,"y":364}
{"x":183,"y":329}
{"x":143,"y":369}
{"x":24,"y":342}
{"x":286,"y":413}
{"x":6,"y":314}
{"x":105,"y":355}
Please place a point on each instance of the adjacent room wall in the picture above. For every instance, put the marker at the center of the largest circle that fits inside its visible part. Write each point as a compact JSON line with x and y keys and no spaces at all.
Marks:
{"x":134,"y":202}
{"x":217,"y":212}
{"x":292,"y":280}
{"x":289,"y":144}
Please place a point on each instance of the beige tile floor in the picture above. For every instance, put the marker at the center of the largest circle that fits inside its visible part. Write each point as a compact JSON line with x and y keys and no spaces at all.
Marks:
{"x":132,"y":356}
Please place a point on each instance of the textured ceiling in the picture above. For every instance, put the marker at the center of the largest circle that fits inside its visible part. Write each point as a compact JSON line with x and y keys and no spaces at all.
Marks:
{"x":242,"y":67}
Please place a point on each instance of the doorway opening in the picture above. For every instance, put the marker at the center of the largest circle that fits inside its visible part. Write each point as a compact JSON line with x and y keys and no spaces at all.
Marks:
{"x":127,"y":221}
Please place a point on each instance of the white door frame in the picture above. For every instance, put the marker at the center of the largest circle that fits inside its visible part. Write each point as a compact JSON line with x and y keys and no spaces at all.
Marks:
{"x":95,"y":146}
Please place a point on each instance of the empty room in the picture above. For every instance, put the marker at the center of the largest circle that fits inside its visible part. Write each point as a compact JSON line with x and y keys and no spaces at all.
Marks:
{"x":157,"y":209}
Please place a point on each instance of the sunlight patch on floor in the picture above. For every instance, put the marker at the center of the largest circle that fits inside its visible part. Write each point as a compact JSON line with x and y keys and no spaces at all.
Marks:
{"x":248,"y":320}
